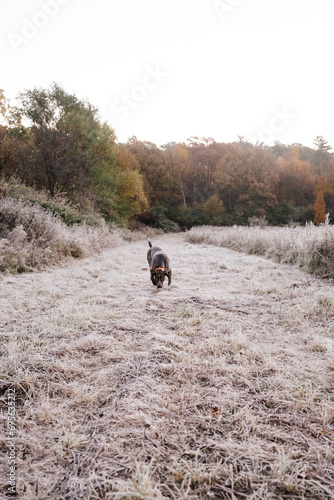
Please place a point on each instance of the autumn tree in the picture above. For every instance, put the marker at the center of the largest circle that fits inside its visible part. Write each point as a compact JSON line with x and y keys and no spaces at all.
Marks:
{"x":322,"y":189}
{"x":246,"y":180}
{"x":158,"y":180}
{"x":7,"y":149}
{"x":296,"y":181}
{"x":9,"y":145}
{"x":126,"y":160}
{"x":214,"y":208}
{"x":179,"y":168}
{"x":119,"y":187}
{"x":319,"y":208}
{"x":204,"y":155}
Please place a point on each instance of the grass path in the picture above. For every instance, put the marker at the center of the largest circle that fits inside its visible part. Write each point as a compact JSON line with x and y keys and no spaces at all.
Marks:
{"x":220,"y":386}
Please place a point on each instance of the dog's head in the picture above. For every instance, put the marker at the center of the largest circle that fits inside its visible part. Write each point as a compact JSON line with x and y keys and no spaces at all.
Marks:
{"x":158,"y":277}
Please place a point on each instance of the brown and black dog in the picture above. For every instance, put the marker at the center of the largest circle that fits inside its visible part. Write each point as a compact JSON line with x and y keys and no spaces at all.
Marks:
{"x":159,"y":265}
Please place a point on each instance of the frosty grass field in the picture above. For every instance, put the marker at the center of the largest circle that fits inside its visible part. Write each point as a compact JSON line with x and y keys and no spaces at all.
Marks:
{"x":220,"y":386}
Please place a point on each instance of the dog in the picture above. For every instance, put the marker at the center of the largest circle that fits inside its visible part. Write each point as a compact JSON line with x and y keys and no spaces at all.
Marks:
{"x":159,"y":265}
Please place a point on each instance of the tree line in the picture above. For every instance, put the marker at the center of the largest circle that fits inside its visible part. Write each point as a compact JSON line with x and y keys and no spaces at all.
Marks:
{"x":56,"y":142}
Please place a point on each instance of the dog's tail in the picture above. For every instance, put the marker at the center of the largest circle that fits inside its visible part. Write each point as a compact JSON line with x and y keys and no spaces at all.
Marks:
{"x":149,"y":242}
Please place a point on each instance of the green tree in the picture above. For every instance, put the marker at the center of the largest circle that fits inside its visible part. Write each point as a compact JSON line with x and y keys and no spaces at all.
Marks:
{"x":118,"y":189}
{"x":322,"y":154}
{"x":68,"y":139}
{"x":322,"y":144}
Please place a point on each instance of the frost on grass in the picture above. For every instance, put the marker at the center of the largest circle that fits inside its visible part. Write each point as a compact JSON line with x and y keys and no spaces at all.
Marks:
{"x":220,"y":386}
{"x":311,"y":247}
{"x":32,"y":237}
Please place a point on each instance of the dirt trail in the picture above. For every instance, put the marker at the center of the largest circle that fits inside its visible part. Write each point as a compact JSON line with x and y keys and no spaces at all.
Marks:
{"x":221,"y":381}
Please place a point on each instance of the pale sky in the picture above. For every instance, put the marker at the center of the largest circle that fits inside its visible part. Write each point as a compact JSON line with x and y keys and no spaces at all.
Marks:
{"x":167,"y":70}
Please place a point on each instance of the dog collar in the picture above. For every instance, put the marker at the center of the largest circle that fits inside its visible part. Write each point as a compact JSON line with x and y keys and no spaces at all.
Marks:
{"x":159,"y":268}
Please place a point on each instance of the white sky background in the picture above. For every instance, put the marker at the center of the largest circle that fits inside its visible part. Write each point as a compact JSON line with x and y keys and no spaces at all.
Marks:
{"x":259,"y":68}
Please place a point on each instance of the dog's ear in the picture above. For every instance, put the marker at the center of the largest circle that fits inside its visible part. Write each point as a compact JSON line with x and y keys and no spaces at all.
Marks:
{"x":169,"y":274}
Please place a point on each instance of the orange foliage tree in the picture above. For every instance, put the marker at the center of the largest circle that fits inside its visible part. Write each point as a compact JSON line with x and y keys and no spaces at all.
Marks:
{"x":319,"y":208}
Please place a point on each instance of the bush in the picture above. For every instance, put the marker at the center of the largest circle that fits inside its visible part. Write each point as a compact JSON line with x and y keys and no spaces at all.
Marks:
{"x":285,"y":213}
{"x":70,"y":214}
{"x":188,"y":217}
{"x":258,"y":221}
{"x":32,"y":237}
{"x":59,"y":205}
{"x":321,"y":260}
{"x":160,"y":221}
{"x":37,"y":231}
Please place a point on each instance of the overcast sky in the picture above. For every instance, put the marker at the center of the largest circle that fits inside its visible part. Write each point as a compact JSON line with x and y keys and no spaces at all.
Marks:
{"x":167,"y":70}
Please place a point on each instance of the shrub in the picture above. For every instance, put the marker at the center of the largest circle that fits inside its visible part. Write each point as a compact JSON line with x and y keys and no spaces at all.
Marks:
{"x":258,"y":221}
{"x":162,"y":222}
{"x":37,"y":230}
{"x":321,"y":261}
{"x":32,"y":237}
{"x":69,"y":213}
